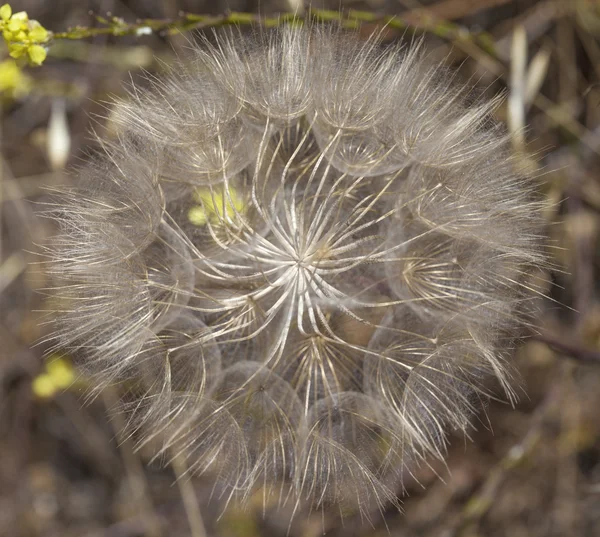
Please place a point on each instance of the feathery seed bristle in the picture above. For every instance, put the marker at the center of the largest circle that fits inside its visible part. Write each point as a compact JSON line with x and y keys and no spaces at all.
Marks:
{"x":302,"y":258}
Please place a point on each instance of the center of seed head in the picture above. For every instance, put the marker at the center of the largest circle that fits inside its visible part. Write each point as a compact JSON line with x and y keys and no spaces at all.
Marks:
{"x":309,"y":261}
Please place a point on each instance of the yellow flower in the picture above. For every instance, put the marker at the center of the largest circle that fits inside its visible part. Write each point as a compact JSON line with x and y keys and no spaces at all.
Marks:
{"x":215,"y":205}
{"x":12,"y":79}
{"x":23,"y":37}
{"x":16,"y":50}
{"x":59,"y":375}
{"x":37,"y":32}
{"x":37,"y":54}
{"x":5,"y":12}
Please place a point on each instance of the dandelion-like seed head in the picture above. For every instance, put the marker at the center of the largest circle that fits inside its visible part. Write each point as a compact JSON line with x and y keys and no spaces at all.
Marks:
{"x":303,"y":258}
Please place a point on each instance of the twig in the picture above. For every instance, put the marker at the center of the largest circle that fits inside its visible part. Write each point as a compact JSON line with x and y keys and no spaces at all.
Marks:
{"x":417,"y":20}
{"x":136,"y":478}
{"x":456,"y":9}
{"x":570,"y":349}
{"x":190,"y":501}
{"x":482,"y":501}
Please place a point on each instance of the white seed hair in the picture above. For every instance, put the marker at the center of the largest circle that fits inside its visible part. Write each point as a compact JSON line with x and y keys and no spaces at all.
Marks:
{"x":303,"y":258}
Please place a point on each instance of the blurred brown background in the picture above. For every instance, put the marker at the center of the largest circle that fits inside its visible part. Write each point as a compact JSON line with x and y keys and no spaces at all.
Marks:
{"x":529,"y":471}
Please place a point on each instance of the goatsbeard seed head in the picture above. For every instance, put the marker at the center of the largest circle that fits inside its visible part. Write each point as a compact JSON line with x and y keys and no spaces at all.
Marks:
{"x":302,"y":258}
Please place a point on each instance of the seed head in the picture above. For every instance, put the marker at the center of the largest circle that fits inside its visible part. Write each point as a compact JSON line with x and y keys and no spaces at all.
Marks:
{"x":303,"y":258}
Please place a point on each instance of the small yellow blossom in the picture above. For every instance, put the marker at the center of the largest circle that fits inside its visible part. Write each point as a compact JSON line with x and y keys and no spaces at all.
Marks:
{"x":23,"y":37}
{"x":13,"y":82}
{"x":215,"y":205}
{"x":43,"y":386}
{"x":37,"y":32}
{"x":58,"y":376}
{"x":5,"y":12}
{"x":197,"y":216}
{"x":37,"y":54}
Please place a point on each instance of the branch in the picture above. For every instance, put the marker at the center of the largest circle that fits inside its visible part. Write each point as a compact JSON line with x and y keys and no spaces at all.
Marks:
{"x":570,"y":349}
{"x":417,"y":21}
